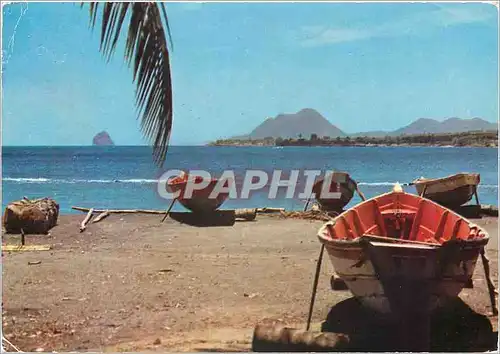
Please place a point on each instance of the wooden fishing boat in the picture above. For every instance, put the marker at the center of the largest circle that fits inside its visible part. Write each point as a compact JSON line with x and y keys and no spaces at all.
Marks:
{"x":451,"y":191}
{"x":400,"y":253}
{"x":201,"y":200}
{"x":340,"y":182}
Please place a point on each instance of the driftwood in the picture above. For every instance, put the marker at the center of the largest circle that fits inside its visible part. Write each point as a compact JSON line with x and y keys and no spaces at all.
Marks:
{"x":36,"y":216}
{"x":121,"y":211}
{"x":313,"y":214}
{"x":85,"y":221}
{"x":246,"y":214}
{"x":101,"y":216}
{"x":269,"y":210}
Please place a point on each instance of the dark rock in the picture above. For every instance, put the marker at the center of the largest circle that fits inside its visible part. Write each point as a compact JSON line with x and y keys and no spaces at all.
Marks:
{"x":102,"y":138}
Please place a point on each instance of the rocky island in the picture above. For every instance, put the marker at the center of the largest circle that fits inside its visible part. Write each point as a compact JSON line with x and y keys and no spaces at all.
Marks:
{"x":102,"y":139}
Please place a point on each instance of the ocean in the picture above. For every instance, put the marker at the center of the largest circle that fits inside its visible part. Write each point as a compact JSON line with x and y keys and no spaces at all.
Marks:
{"x":124,"y":177}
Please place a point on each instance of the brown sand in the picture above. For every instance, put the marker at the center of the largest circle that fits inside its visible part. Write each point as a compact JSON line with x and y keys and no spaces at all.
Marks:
{"x":130,"y":283}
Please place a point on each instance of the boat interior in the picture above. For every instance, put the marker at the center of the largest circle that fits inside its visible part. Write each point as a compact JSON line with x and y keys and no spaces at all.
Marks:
{"x":402,"y":216}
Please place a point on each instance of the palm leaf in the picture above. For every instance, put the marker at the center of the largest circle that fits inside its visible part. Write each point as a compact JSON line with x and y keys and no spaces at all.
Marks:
{"x":146,"y":48}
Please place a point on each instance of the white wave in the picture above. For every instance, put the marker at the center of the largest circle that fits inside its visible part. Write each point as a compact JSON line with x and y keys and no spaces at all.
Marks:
{"x":383,"y":184}
{"x":376,"y":183}
{"x":73,"y":181}
{"x":27,"y":180}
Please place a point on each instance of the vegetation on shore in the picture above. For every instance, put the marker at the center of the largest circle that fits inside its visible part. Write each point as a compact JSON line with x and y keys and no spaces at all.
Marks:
{"x":472,"y":138}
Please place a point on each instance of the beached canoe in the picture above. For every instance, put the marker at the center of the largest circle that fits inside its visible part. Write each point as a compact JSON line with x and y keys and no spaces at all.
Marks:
{"x":451,"y":191}
{"x":201,"y":200}
{"x":340,"y":182}
{"x":400,"y":253}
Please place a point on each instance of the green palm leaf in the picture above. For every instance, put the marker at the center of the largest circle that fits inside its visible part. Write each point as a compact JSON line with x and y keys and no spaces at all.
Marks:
{"x":145,"y":47}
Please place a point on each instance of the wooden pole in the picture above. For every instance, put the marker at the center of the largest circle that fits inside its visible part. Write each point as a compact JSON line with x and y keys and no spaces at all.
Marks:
{"x":315,"y":286}
{"x":423,"y":191}
{"x":169,"y":208}
{"x":361,"y":195}
{"x":308,"y":200}
{"x":491,"y":286}
{"x":477,"y":198}
{"x":23,"y":241}
{"x":83,"y":225}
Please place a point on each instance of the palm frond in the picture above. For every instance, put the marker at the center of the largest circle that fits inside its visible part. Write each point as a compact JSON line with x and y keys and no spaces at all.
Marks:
{"x":146,"y":48}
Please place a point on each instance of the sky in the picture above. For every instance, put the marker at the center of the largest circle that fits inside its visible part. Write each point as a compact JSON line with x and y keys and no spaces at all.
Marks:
{"x":363,"y":66}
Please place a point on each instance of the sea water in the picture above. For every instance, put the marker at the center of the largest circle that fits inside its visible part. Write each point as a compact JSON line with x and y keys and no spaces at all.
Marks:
{"x":125,"y":177}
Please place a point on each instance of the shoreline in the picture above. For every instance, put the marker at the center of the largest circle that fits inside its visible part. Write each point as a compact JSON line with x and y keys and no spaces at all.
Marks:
{"x":132,"y":283}
{"x":355,"y":145}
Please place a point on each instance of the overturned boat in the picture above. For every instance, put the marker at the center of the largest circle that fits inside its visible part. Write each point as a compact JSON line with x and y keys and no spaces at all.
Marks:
{"x":451,"y":191}
{"x":400,"y":253}
{"x":337,"y":182}
{"x":197,"y":200}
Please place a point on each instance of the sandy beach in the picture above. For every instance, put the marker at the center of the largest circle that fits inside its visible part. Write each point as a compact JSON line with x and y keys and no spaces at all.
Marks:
{"x":132,"y":283}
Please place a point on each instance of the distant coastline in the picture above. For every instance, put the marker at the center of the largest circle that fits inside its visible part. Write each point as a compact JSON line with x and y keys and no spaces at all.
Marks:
{"x":463,"y":139}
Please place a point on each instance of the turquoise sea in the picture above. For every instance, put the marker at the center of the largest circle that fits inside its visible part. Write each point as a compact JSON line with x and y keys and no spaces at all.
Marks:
{"x":125,"y":176}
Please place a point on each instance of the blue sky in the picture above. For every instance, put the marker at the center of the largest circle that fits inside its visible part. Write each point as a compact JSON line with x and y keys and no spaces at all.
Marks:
{"x":363,"y":66}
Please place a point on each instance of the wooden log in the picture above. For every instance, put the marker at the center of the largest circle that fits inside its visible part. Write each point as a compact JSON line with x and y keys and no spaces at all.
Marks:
{"x":490,"y":210}
{"x":277,"y":338}
{"x":83,"y":225}
{"x":120,"y":211}
{"x":101,"y":216}
{"x":270,"y":210}
{"x":246,"y":214}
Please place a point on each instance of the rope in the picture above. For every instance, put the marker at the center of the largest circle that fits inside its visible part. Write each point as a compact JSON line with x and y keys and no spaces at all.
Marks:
{"x":9,"y":343}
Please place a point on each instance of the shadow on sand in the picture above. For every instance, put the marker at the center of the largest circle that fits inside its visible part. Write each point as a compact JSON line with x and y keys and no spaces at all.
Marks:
{"x":454,"y":328}
{"x":216,"y":218}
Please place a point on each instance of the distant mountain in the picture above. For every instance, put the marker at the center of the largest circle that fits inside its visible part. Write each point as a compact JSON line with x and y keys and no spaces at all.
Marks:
{"x":305,"y":122}
{"x":450,"y":125}
{"x":102,"y":138}
{"x":308,"y":121}
{"x":432,"y":126}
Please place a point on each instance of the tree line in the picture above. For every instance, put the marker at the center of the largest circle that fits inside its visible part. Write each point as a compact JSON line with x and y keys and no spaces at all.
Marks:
{"x":472,"y":138}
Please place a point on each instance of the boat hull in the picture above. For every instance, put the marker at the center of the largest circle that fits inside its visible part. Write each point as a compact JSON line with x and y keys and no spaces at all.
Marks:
{"x":383,"y":276}
{"x":201,"y":200}
{"x":399,"y":253}
{"x":452,"y":191}
{"x":341,"y":182}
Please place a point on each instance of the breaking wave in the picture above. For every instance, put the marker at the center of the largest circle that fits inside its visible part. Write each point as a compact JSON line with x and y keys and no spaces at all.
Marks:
{"x":384,"y":184}
{"x":73,"y":181}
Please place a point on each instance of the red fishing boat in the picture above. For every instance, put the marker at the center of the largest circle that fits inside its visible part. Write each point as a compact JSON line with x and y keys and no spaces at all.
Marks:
{"x":200,"y":200}
{"x":340,"y":182}
{"x":399,"y":252}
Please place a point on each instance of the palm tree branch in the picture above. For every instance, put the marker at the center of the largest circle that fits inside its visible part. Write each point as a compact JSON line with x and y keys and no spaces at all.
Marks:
{"x":146,"y":49}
